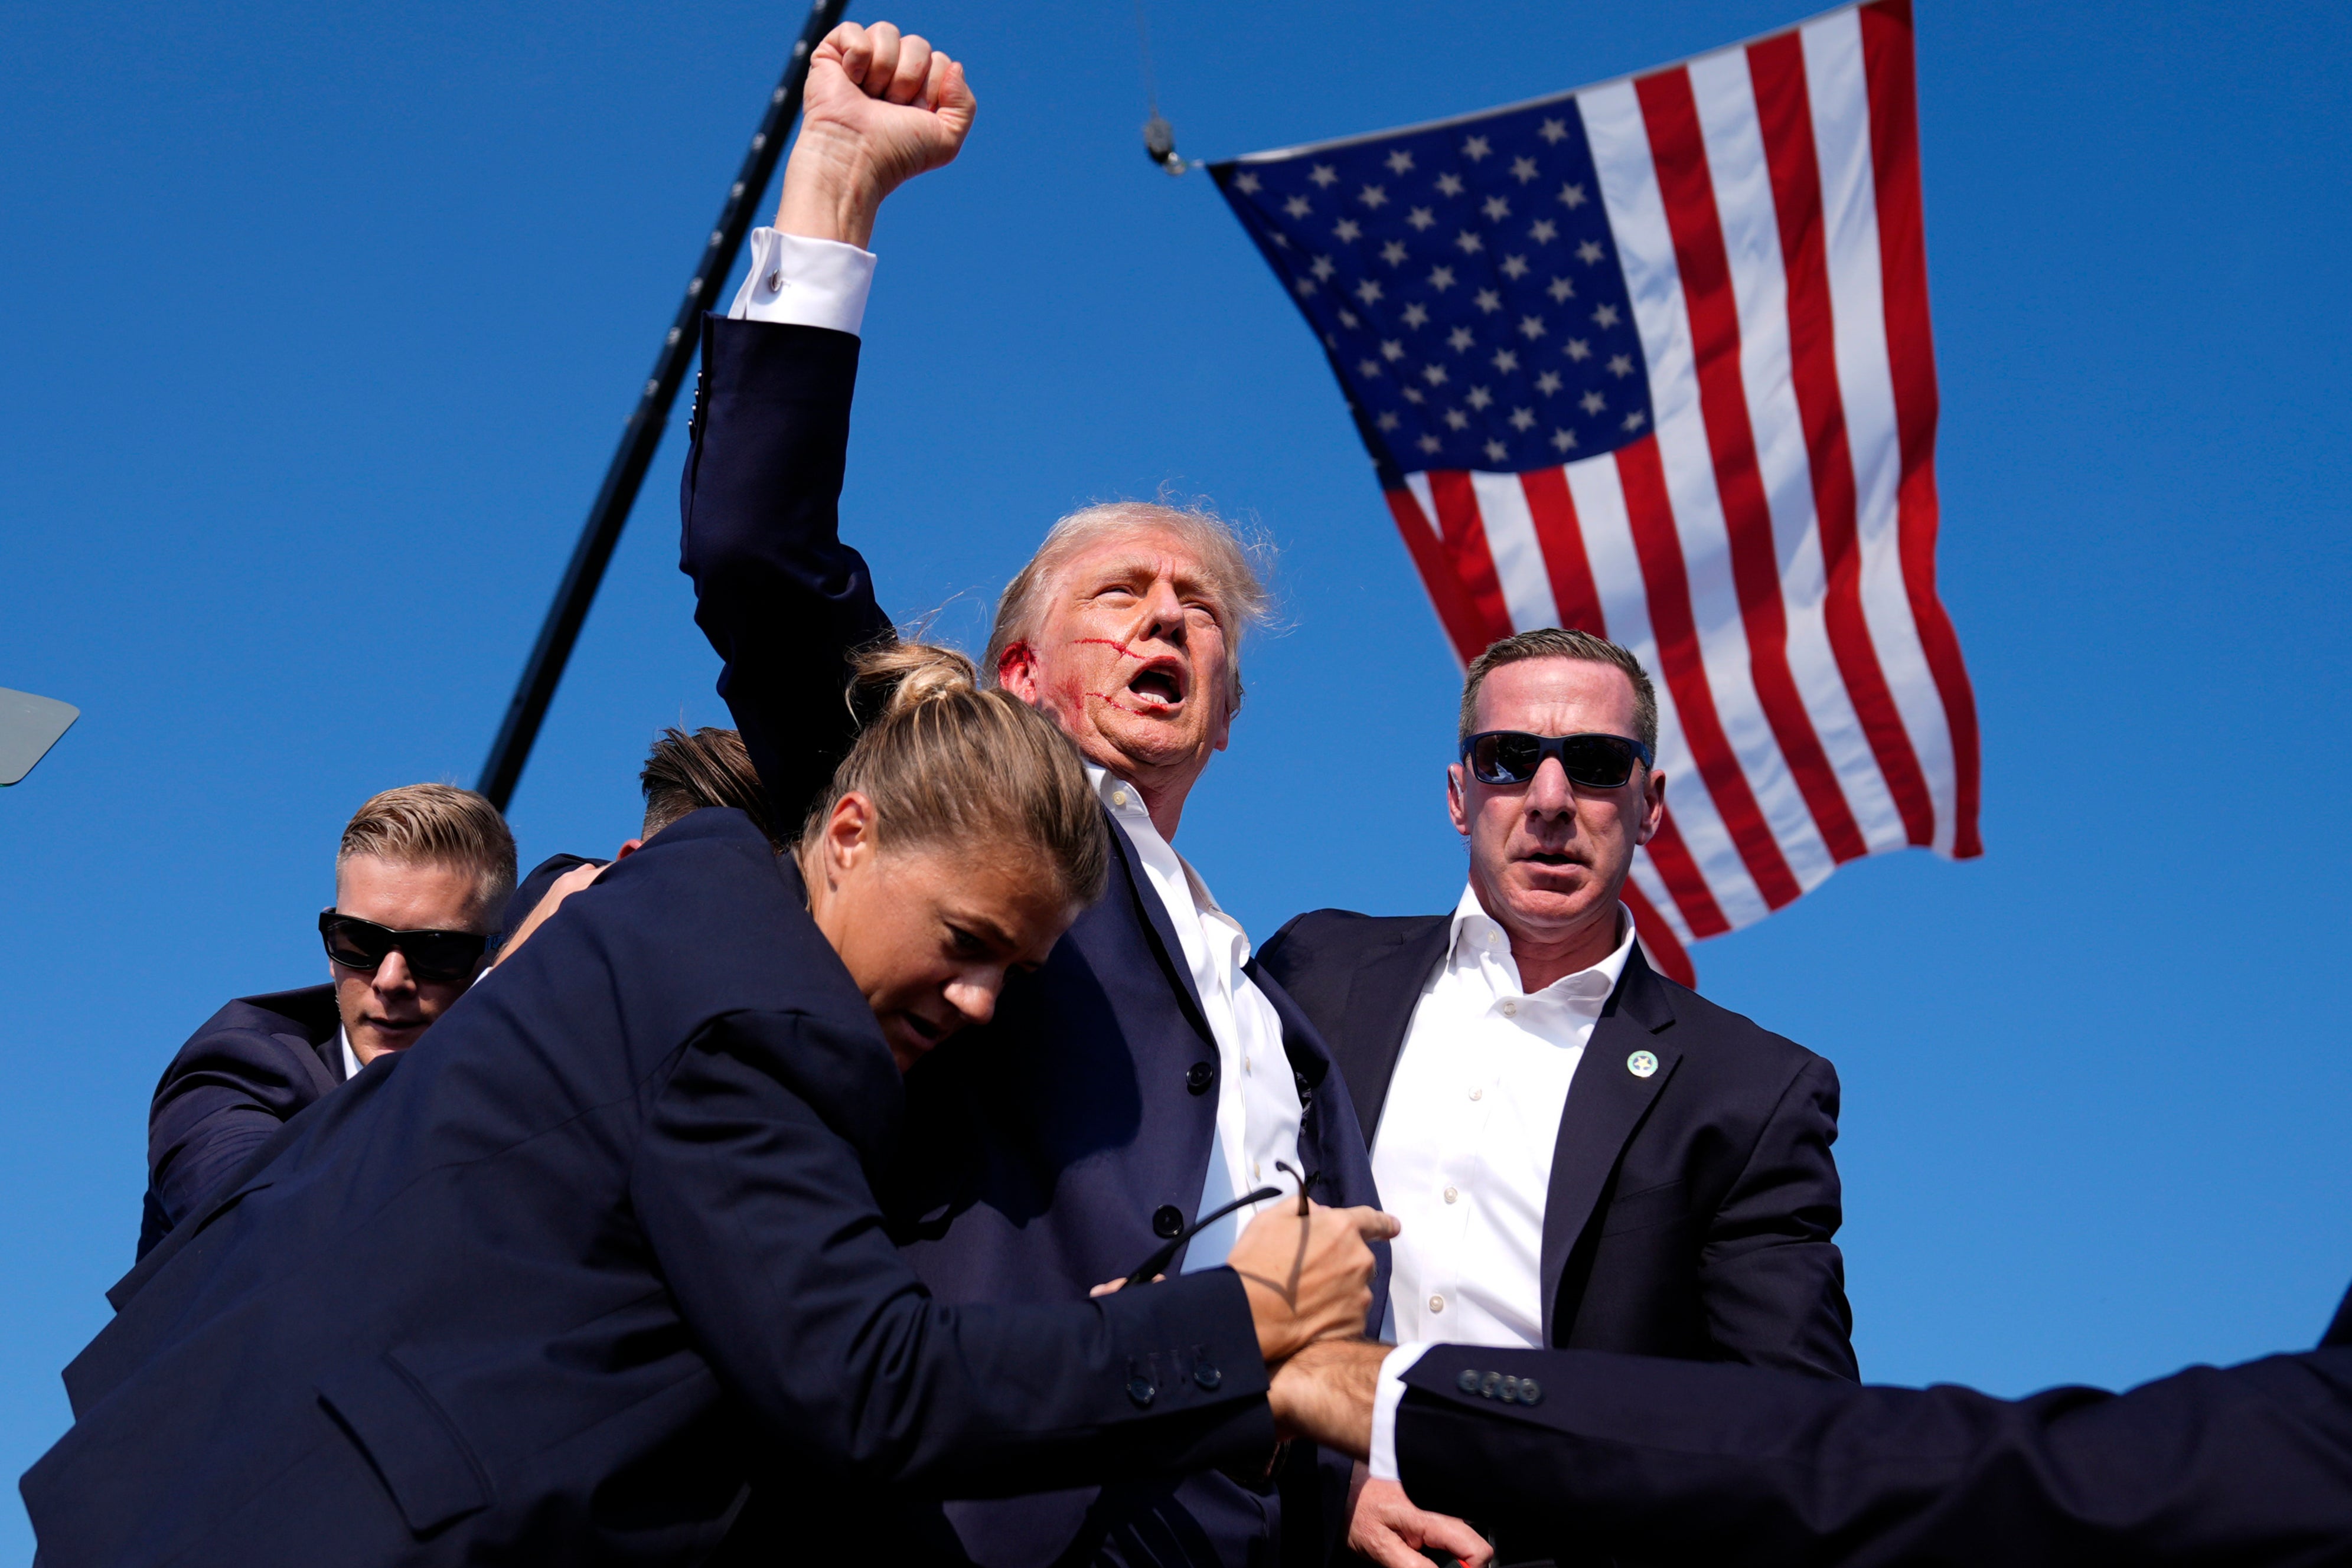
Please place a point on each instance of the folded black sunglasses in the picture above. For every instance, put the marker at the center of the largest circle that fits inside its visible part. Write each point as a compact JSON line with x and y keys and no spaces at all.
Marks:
{"x":437,"y":956}
{"x":1512,"y":757}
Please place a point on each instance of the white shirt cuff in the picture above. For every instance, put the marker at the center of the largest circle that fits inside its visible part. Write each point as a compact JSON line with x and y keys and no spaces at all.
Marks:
{"x":1385,"y":1400}
{"x":796,"y":281}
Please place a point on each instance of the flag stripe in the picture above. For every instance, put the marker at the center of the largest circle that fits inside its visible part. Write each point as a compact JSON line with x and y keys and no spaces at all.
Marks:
{"x":1693,"y":517}
{"x":1600,"y":502}
{"x":1463,"y":626}
{"x":1517,"y":554}
{"x":1751,"y":236}
{"x":1464,"y":533}
{"x":1839,"y":98}
{"x":1573,"y":595}
{"x":1679,"y":156}
{"x":1665,"y":950}
{"x":1680,"y":870}
{"x":1651,"y":515}
{"x":1902,"y":234}
{"x":1784,"y":111}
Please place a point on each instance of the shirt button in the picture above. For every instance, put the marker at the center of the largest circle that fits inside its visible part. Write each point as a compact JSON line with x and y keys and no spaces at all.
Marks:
{"x":1437,"y":1304}
{"x":1477,"y":1095}
{"x":1451,"y":1195}
{"x":1118,"y":796}
{"x":776,"y":282}
{"x":1510,"y":1009}
{"x":1257,"y":1171}
{"x":1245,"y":1064}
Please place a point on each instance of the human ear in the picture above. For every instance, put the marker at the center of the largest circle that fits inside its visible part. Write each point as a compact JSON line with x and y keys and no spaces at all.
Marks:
{"x":1457,"y":800}
{"x":1016,"y":671}
{"x":848,"y":835}
{"x":1653,"y":806}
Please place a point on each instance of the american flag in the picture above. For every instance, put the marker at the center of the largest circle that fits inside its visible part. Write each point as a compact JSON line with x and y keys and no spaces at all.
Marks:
{"x":1652,"y":359}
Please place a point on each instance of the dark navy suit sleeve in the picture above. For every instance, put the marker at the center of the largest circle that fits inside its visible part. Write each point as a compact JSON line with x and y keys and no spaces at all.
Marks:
{"x":1675,"y":1462}
{"x":223,"y":1096}
{"x":770,"y":1238}
{"x":1772,"y":1280}
{"x":781,"y":598}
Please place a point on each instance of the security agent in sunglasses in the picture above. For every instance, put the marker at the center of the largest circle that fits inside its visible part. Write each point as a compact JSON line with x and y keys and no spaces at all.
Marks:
{"x":1583,"y":1153}
{"x":422,"y":876}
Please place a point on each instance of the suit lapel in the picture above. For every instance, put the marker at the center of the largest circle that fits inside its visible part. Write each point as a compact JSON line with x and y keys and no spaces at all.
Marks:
{"x":1381,"y":996}
{"x":1606,"y":1102}
{"x":1162,"y":929}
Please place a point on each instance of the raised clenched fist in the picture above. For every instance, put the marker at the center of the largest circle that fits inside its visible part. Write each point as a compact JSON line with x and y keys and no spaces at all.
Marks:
{"x":880,"y":108}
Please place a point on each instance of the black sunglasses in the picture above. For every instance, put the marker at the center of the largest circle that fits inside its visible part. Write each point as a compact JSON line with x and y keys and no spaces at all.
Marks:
{"x":440,"y":956}
{"x":1512,"y":757}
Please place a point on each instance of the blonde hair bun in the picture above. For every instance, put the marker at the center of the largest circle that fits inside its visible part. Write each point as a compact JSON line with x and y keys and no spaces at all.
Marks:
{"x":898,"y":678}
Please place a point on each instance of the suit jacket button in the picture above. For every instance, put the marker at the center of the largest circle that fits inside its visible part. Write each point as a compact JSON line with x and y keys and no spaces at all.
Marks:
{"x":1207,"y":1376}
{"x":1167,"y":1222}
{"x":1530,"y":1392}
{"x":1490,"y":1384}
{"x":1199,"y":1076}
{"x":1468,"y":1381}
{"x":1142,"y":1390}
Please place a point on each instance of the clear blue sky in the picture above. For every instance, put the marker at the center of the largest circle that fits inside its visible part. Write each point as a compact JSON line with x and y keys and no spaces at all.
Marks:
{"x":318,"y":323}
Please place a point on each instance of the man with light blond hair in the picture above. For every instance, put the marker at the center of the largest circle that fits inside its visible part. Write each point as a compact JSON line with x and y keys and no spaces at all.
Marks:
{"x":422,"y":876}
{"x":1148,"y":1075}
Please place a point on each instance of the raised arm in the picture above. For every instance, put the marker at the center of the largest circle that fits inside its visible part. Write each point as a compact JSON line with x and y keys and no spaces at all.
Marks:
{"x":781,"y":597}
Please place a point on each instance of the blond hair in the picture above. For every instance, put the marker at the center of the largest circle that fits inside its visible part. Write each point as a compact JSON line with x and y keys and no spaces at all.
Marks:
{"x":437,"y":824}
{"x":1552,"y":642}
{"x":946,"y":763}
{"x":1228,"y":562}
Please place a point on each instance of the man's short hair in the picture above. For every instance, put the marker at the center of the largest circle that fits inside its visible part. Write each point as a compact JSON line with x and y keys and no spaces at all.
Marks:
{"x":685,"y":772}
{"x":1552,"y":642}
{"x":437,"y":824}
{"x":1229,"y":561}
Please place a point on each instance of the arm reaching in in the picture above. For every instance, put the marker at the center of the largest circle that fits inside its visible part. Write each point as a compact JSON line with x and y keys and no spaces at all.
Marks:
{"x":881,"y":107}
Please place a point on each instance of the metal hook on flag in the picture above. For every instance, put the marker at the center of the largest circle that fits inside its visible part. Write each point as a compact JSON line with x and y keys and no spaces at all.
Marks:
{"x":1159,"y":136}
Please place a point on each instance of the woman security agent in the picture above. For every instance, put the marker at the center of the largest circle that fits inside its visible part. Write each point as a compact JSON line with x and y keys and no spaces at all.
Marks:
{"x":602,"y":1253}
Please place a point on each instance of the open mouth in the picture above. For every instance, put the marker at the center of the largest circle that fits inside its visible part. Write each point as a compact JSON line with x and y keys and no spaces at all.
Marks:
{"x":923,"y":1028}
{"x":1546,"y":857}
{"x":1158,"y":686}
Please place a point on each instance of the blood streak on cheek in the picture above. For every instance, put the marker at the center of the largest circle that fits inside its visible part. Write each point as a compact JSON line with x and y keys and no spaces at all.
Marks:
{"x":1109,"y":643}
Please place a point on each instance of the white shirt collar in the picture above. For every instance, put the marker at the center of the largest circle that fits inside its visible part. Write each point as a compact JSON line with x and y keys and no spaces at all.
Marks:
{"x":1476,"y":937}
{"x":351,"y":1057}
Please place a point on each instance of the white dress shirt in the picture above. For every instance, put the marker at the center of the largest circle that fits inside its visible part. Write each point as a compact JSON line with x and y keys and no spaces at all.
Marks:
{"x":351,"y":1057}
{"x":803,"y":282}
{"x":1258,"y":1113}
{"x":1462,"y":1154}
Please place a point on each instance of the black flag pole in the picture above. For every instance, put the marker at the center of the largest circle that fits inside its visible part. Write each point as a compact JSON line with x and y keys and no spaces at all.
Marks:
{"x":643,"y":434}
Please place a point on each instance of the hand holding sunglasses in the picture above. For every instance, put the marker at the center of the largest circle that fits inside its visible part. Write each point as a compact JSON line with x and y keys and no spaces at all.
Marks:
{"x":1593,"y":761}
{"x":437,"y":957}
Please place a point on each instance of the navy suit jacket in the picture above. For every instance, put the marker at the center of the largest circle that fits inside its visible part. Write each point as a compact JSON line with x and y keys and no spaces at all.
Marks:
{"x":248,"y":1072}
{"x":1669,"y":1463}
{"x":599,"y":1252}
{"x":1691,"y":1211}
{"x":1056,"y":1147}
{"x":240,"y":1078}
